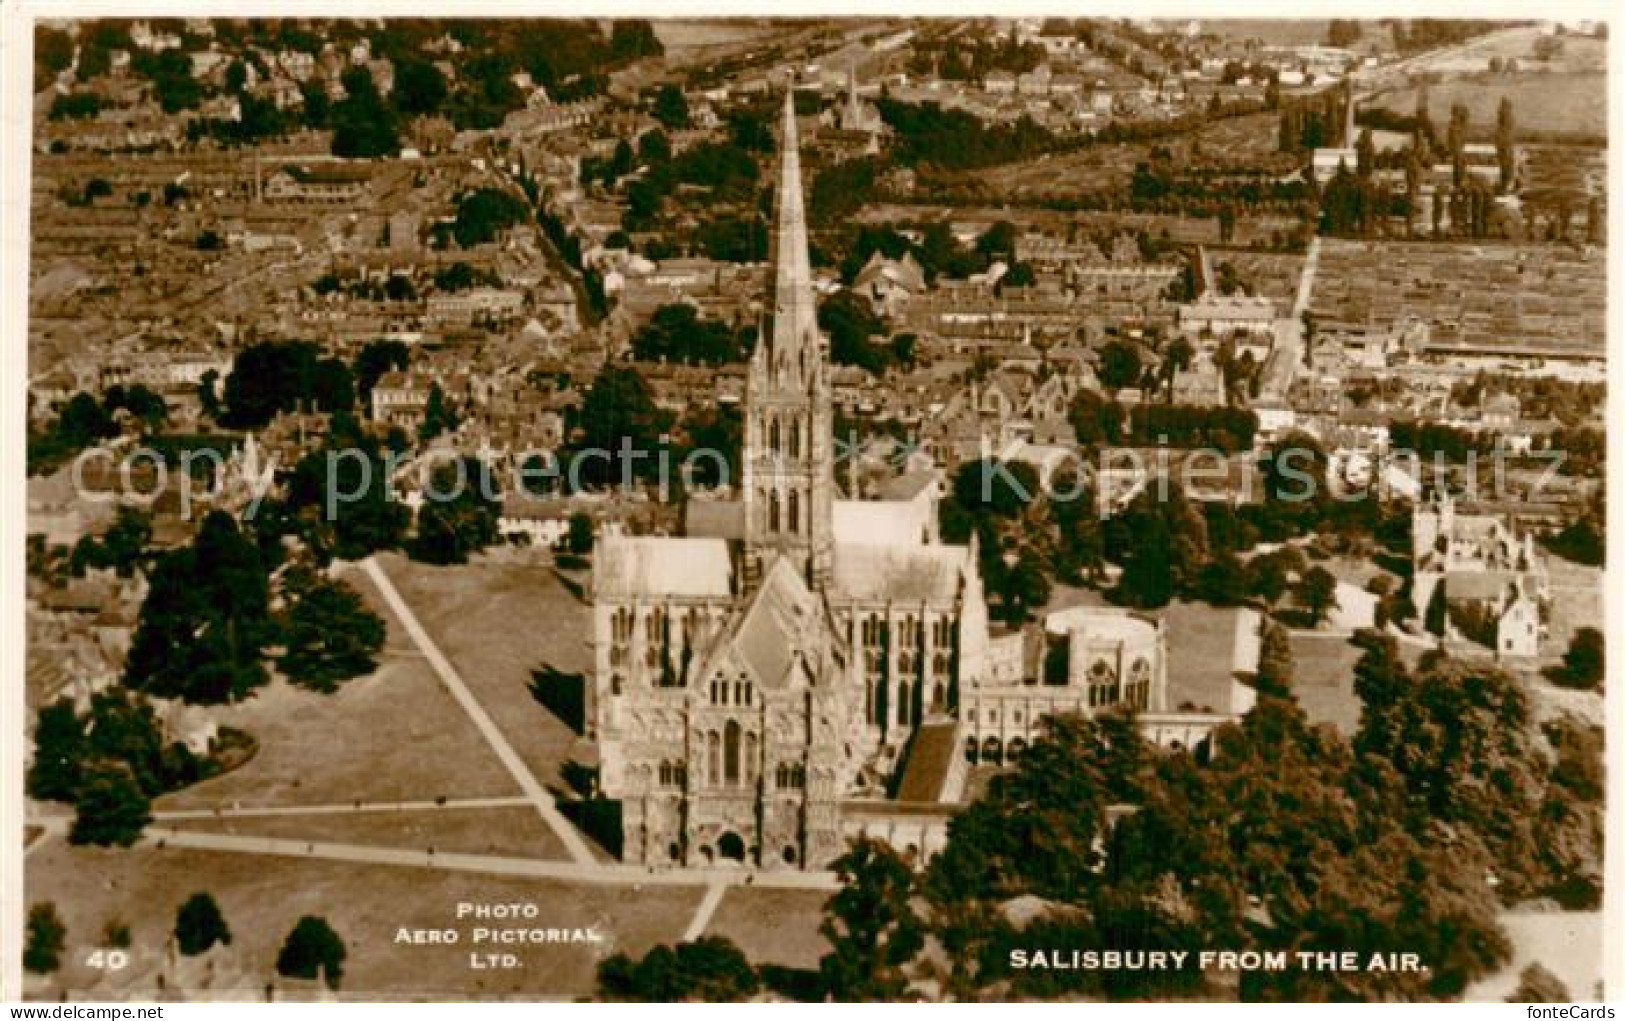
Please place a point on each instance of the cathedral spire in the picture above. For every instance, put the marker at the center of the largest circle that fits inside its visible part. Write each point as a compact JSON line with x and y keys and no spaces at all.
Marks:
{"x":795,"y":312}
{"x":789,"y":477}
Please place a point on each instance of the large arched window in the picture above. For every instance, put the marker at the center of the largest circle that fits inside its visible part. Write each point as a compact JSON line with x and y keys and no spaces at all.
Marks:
{"x":730,"y":753}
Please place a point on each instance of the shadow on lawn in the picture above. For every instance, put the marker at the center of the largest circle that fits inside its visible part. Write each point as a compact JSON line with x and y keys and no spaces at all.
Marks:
{"x":564,"y":695}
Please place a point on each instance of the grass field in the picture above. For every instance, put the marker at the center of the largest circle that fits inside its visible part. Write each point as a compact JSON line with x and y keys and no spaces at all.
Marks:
{"x":773,"y":926}
{"x":1577,"y":53}
{"x":1323,"y":680}
{"x":1552,"y":104}
{"x":498,"y":623}
{"x":1274,"y":31}
{"x":393,"y":736}
{"x":513,"y":832}
{"x":262,"y":898}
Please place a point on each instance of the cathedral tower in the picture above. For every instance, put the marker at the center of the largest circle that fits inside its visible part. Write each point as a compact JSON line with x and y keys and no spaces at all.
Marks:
{"x":789,"y":477}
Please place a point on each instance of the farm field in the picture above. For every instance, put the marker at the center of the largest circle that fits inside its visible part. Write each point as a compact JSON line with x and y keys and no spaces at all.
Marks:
{"x":1556,"y":105}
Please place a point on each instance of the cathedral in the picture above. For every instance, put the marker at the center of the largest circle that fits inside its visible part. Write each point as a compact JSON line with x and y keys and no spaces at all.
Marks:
{"x":799,"y":667}
{"x":772,"y":663}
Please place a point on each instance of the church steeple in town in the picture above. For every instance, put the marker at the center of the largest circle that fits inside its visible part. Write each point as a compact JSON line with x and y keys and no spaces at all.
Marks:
{"x":789,"y":477}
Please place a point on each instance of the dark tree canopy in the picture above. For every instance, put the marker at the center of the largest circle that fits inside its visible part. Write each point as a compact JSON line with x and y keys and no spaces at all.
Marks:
{"x":312,"y":950}
{"x":709,"y":970}
{"x":199,"y":925}
{"x":205,"y":620}
{"x":329,"y":634}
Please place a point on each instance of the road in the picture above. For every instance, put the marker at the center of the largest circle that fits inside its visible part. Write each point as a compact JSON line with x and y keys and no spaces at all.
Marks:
{"x":1282,"y":365}
{"x":538,"y":795}
{"x":715,"y":879}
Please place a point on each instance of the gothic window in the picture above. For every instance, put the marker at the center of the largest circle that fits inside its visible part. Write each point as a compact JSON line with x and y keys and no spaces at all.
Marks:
{"x":615,"y":684}
{"x":713,"y":753}
{"x":730,"y":754}
{"x":902,"y":703}
{"x":667,"y":775}
{"x":781,"y":776}
{"x":750,"y":760}
{"x":795,"y":438}
{"x":939,"y":696}
{"x":798,"y":775}
{"x":773,"y":436}
{"x":680,"y":774}
{"x":795,"y":512}
{"x":773,"y":511}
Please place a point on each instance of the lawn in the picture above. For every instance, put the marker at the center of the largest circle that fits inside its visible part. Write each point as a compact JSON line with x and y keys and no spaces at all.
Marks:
{"x":1568,"y":943}
{"x":509,"y":831}
{"x":1278,"y":31}
{"x":1553,"y":104}
{"x":773,"y":926}
{"x":261,"y":899}
{"x":393,"y":736}
{"x":1576,"y":602}
{"x":1323,"y":679}
{"x":497,"y":623}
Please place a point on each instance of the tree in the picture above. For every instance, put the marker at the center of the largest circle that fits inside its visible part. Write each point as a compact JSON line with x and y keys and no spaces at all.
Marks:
{"x":438,"y":416}
{"x":199,"y":925}
{"x":617,"y":415}
{"x":375,"y":358}
{"x":1274,"y":677}
{"x":330,"y":635}
{"x":671,"y":108}
{"x":42,"y":949}
{"x":1119,"y":365}
{"x":1436,"y":616}
{"x":580,"y":537}
{"x":420,"y":88}
{"x":121,"y":548}
{"x":205,"y":619}
{"x":850,"y":321}
{"x":676,"y":333}
{"x":1583,"y":662}
{"x":1506,"y":143}
{"x":870,"y":924}
{"x":312,"y":950}
{"x":1004,"y":489}
{"x":59,"y":747}
{"x":1460,"y":735}
{"x":459,"y":513}
{"x":484,"y":213}
{"x":111,"y":808}
{"x":1538,"y":985}
{"x":709,"y":970}
{"x":1317,"y":591}
{"x":364,"y":126}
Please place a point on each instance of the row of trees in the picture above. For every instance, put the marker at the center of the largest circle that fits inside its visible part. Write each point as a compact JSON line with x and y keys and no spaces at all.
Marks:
{"x":312,"y":949}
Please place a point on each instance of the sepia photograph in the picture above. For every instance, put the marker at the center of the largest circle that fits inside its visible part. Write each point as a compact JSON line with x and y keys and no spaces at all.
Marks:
{"x":558,"y":505}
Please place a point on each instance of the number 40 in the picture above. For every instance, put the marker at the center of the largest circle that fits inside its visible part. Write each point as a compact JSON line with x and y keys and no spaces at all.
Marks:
{"x":108,"y":960}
